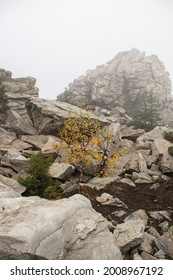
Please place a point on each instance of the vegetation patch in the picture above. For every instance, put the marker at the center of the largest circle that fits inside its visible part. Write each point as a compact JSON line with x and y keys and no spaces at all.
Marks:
{"x":169,"y":136}
{"x":87,"y":145}
{"x":170,"y":150}
{"x":148,"y":116}
{"x":4,"y":106}
{"x":51,"y":192}
{"x":38,"y":177}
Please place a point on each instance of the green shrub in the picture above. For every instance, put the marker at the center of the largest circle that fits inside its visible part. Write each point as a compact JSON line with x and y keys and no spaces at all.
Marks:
{"x":51,"y":192}
{"x":170,"y":150}
{"x":147,"y":116}
{"x":38,"y":177}
{"x":169,"y":136}
{"x":3,"y":100}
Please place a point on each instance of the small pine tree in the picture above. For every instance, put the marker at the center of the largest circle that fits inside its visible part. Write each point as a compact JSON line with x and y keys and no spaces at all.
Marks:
{"x":38,"y":177}
{"x":147,"y":117}
{"x":3,"y":100}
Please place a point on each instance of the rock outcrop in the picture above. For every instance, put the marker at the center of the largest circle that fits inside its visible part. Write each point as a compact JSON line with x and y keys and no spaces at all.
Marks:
{"x":64,"y":229}
{"x":36,"y":228}
{"x":119,"y":83}
{"x":49,"y":116}
{"x":10,"y":188}
{"x":28,"y":114}
{"x":18,"y":91}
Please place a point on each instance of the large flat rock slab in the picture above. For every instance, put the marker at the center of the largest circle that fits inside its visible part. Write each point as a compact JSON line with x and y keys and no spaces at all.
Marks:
{"x":64,"y":229}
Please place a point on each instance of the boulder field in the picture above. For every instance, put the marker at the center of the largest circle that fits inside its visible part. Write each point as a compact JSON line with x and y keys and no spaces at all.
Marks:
{"x":126,"y":215}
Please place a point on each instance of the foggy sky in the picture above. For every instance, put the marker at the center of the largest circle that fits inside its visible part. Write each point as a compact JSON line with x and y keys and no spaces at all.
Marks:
{"x":56,"y":41}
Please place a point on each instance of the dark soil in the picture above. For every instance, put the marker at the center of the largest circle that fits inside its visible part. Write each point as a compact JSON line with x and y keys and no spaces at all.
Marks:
{"x":141,"y":197}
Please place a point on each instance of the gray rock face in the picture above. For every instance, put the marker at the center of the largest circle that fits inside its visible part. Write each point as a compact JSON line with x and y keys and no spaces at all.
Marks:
{"x":31,"y":115}
{"x":18,"y":90}
{"x":10,"y":187}
{"x":20,"y":145}
{"x":164,"y":242}
{"x":129,"y":234}
{"x":160,"y":147}
{"x":64,"y":229}
{"x":131,"y":133}
{"x":49,"y":116}
{"x":146,"y":245}
{"x":100,"y":183}
{"x":61,"y":171}
{"x":70,"y":229}
{"x":146,"y":256}
{"x":128,"y":182}
{"x":120,"y":82}
{"x":69,"y":187}
{"x":14,"y":159}
{"x":6,"y":137}
{"x":140,"y":178}
{"x":19,"y":125}
{"x":156,"y":133}
{"x":162,"y":215}
{"x":105,"y":197}
{"x":50,"y":146}
{"x":142,"y":163}
{"x":8,"y":172}
{"x":37,"y":141}
{"x":138,"y":215}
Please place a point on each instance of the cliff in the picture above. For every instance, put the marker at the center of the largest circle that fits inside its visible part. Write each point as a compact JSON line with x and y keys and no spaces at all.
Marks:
{"x":121,"y":82}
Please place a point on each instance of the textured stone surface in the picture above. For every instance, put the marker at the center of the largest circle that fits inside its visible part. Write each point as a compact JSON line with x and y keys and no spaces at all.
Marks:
{"x":64,"y":229}
{"x":138,"y":215}
{"x":100,"y":183}
{"x":7,"y":172}
{"x":160,"y":148}
{"x":61,"y":171}
{"x":142,"y":163}
{"x":120,"y":82}
{"x":162,"y":215}
{"x":129,"y":234}
{"x":18,"y":91}
{"x":105,"y":197}
{"x":38,"y":115}
{"x":146,"y":256}
{"x":115,"y":201}
{"x":128,"y":182}
{"x":146,"y":246}
{"x":49,"y":116}
{"x":14,"y":159}
{"x":131,"y":133}
{"x":50,"y":146}
{"x":6,"y":137}
{"x":20,"y":145}
{"x":37,"y":141}
{"x":10,"y":187}
{"x":69,"y":187}
{"x":19,"y":125}
{"x":142,"y":177}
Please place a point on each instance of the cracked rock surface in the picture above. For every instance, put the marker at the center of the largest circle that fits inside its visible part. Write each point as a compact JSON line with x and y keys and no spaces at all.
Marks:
{"x":65,"y":229}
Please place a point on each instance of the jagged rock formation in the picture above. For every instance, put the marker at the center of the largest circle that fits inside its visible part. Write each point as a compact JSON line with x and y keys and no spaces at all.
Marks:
{"x":70,"y":228}
{"x":18,"y":90}
{"x":32,"y":115}
{"x":49,"y":116}
{"x":119,"y":83}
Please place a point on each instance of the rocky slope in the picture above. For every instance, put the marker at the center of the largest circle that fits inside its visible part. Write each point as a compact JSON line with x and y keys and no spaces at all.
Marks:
{"x":31,"y":115}
{"x":118,"y":85}
{"x":70,"y":228}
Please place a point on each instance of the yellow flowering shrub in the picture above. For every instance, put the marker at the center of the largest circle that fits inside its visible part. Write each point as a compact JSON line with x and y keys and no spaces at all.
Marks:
{"x":86,"y":145}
